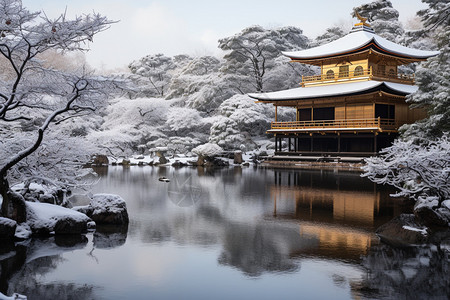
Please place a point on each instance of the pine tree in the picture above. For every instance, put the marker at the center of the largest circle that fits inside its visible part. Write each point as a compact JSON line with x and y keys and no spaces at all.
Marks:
{"x":383,"y":18}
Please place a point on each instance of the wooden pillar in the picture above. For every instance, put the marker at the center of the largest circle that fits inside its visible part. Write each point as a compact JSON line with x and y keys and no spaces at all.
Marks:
{"x":312,"y":143}
{"x":289,"y":144}
{"x":374,"y":143}
{"x":276,"y":113}
{"x":276,"y":142}
{"x":339,"y":143}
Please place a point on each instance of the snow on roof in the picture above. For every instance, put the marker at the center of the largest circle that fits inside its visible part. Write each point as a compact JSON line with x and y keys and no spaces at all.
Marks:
{"x":356,"y":39}
{"x":333,"y":90}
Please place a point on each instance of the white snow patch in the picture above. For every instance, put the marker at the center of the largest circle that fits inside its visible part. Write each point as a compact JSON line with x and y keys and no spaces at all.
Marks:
{"x":7,"y":222}
{"x":33,"y":187}
{"x":424,"y":261}
{"x":15,"y":296}
{"x":135,"y":160}
{"x":422,"y":231}
{"x":409,"y":272}
{"x":23,"y":231}
{"x":430,"y":202}
{"x":446,"y":204}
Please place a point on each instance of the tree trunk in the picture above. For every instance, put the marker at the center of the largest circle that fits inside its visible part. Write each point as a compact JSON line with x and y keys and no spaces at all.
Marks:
{"x":4,"y":188}
{"x":13,"y":205}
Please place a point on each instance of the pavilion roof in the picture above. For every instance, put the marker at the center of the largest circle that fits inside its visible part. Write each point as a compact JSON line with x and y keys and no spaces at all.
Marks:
{"x":359,"y":38}
{"x":335,"y":90}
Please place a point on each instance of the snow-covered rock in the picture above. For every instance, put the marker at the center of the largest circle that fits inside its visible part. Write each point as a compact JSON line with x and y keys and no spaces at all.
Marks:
{"x":106,"y":209}
{"x":402,"y":231}
{"x":208,"y":150}
{"x":43,"y":218}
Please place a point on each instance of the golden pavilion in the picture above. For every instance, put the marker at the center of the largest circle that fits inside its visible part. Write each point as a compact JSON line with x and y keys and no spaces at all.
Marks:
{"x":357,"y":103}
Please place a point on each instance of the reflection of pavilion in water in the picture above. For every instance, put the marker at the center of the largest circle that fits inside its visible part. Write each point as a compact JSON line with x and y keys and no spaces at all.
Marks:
{"x":340,"y":210}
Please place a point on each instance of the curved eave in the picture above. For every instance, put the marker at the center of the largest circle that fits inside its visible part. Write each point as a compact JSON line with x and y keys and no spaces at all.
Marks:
{"x":336,"y":90}
{"x":356,"y":42}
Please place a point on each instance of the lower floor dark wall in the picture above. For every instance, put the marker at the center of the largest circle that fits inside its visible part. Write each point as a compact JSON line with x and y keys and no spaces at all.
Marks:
{"x":356,"y":143}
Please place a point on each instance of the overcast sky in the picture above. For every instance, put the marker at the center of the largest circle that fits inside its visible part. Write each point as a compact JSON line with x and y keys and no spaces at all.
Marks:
{"x":193,"y":26}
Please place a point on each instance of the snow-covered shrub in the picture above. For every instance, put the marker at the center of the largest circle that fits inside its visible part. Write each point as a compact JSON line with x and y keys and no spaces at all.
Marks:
{"x":131,"y":123}
{"x":417,"y":170}
{"x":181,"y":120}
{"x":248,"y":116}
{"x":224,"y":133}
{"x":183,"y":145}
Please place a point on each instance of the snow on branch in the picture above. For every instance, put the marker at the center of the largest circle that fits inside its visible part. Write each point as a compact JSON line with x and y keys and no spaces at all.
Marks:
{"x":415,"y":169}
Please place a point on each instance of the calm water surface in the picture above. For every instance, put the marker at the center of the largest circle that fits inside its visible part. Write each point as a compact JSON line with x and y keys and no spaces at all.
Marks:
{"x":229,"y":234}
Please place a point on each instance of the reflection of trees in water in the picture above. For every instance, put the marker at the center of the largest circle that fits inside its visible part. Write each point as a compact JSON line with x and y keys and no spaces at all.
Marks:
{"x":420,"y":272}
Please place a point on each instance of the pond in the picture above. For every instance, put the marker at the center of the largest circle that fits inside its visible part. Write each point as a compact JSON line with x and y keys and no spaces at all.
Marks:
{"x":231,"y":233}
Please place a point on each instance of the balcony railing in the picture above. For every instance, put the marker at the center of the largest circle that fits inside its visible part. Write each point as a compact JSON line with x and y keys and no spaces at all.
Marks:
{"x":349,"y":124}
{"x":362,"y":74}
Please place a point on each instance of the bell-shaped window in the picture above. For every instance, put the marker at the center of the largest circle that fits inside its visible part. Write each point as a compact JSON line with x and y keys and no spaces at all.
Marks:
{"x":358,"y":71}
{"x":330,"y":74}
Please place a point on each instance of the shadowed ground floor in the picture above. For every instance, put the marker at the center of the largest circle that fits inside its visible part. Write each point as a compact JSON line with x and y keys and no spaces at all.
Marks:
{"x":332,"y":144}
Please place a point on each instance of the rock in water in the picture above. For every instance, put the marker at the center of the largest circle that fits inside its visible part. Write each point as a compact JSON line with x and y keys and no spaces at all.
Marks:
{"x":109,"y":209}
{"x":402,"y":231}
{"x":100,"y":160}
{"x":70,"y":226}
{"x":7,"y":228}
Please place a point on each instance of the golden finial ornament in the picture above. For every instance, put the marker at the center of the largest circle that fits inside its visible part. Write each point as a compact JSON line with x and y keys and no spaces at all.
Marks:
{"x":362,"y":19}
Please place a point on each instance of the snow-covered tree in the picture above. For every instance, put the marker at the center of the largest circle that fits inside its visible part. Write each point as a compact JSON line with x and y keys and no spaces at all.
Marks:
{"x":200,"y":84}
{"x":417,"y":170}
{"x":418,"y":164}
{"x":433,"y":76}
{"x":251,"y":54}
{"x":152,"y":74}
{"x":37,"y":96}
{"x":331,"y":34}
{"x":383,"y":18}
